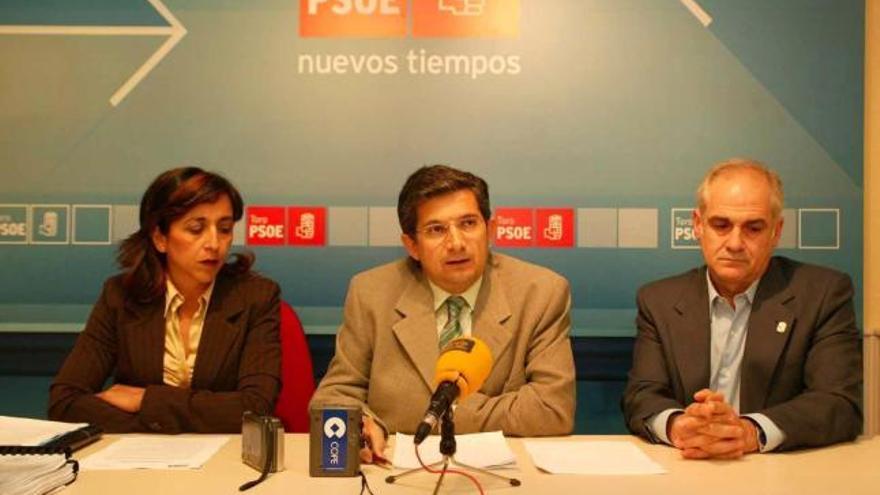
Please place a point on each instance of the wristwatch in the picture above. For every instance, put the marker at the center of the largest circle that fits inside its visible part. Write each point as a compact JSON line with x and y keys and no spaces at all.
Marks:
{"x":759,"y":432}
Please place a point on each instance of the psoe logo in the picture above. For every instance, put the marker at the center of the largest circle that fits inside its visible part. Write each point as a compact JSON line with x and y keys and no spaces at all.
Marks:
{"x":555,"y":227}
{"x":683,"y":235}
{"x":388,"y":18}
{"x":462,"y":7}
{"x":514,"y":227}
{"x":466,"y":18}
{"x":14,"y":224}
{"x":307,"y":225}
{"x":265,"y":226}
{"x":352,"y":18}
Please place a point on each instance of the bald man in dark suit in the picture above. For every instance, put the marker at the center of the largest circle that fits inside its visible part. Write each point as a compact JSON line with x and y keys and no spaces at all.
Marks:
{"x":750,"y":352}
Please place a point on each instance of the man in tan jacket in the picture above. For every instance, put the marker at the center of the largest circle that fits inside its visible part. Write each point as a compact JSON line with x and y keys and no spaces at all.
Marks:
{"x":398,"y":316}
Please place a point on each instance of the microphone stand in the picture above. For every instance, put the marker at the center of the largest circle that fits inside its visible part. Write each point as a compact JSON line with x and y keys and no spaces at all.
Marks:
{"x":447,"y":448}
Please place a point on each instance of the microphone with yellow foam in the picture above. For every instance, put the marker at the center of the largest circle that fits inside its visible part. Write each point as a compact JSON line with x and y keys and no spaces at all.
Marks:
{"x":461,"y":370}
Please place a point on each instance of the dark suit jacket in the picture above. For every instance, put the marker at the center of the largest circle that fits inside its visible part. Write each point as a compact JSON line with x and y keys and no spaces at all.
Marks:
{"x":806,"y":379}
{"x":387,"y":349}
{"x":237,"y":366}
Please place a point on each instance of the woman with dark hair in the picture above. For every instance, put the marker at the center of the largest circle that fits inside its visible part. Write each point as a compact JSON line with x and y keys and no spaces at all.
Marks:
{"x":190,"y":340}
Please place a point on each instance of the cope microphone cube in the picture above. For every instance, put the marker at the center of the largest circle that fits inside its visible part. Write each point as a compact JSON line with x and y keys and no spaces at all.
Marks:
{"x":334,"y":441}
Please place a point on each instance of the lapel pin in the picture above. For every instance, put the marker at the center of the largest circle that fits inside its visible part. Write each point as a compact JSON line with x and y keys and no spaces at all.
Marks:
{"x":781,"y":326}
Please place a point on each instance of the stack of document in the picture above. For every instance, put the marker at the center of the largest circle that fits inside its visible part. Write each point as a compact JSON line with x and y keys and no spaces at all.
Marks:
{"x":35,"y":474}
{"x":483,"y":450}
{"x":27,"y":466}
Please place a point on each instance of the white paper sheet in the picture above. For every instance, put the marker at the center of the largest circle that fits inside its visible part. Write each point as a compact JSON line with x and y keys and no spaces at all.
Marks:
{"x":27,"y":431}
{"x":156,"y":452}
{"x":484,"y":450}
{"x":590,"y":457}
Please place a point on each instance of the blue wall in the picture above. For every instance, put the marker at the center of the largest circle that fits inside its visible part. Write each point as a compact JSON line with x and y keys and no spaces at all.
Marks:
{"x":609,"y":109}
{"x":617,"y":105}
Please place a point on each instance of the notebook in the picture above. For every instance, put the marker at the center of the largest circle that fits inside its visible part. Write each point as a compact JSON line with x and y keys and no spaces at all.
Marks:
{"x":37,"y":459}
{"x":55,"y":435}
{"x":28,"y":470}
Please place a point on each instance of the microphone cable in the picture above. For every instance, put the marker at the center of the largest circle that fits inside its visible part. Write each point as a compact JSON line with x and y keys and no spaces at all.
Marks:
{"x":365,"y":485}
{"x":469,"y":476}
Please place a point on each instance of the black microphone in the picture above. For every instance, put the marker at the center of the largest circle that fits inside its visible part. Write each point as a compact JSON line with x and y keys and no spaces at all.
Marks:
{"x":441,"y":401}
{"x":461,"y":370}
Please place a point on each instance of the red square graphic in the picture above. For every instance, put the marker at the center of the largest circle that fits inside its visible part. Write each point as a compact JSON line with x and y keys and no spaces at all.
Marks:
{"x":514,"y":227}
{"x":265,"y":226}
{"x":307,"y":225}
{"x":352,"y":18}
{"x":466,"y":18}
{"x":554,"y":227}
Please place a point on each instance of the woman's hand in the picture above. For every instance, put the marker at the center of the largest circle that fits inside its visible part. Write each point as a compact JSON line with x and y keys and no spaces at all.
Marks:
{"x":124,"y":397}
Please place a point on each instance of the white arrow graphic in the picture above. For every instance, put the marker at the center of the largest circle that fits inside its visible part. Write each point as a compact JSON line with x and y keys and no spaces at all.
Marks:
{"x":175,"y":32}
{"x":698,"y":12}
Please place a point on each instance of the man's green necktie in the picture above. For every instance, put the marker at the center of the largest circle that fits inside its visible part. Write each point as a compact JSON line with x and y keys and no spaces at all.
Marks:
{"x":452,"y":329}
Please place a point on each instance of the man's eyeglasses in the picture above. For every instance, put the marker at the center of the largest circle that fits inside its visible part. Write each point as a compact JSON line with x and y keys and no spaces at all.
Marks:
{"x":437,"y":231}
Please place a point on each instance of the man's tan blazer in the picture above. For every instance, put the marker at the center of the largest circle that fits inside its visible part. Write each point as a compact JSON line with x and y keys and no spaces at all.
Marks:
{"x":386,"y":350}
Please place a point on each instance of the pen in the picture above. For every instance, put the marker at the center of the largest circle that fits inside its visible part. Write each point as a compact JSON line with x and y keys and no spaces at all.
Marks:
{"x":381,"y":461}
{"x":378,"y":459}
